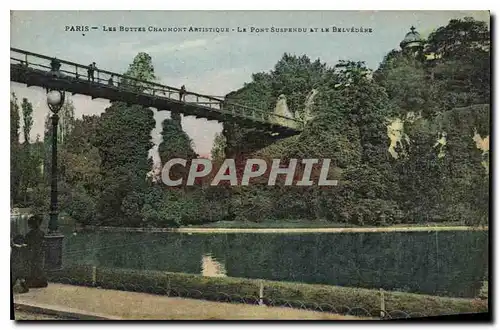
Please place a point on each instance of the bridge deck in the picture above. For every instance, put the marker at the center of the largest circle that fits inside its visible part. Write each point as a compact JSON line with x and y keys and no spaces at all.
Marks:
{"x":35,"y":70}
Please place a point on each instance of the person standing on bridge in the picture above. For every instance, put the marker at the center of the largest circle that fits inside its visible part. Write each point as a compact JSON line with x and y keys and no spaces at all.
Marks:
{"x":55,"y":65}
{"x":182,"y":93}
{"x":90,"y":71}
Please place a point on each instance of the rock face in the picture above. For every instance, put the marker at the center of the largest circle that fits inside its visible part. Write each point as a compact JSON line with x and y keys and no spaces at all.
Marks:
{"x":399,"y":140}
{"x":483,"y":144}
{"x":281,"y":109}
{"x":308,"y":106}
{"x":397,"y":136}
{"x":441,"y":144}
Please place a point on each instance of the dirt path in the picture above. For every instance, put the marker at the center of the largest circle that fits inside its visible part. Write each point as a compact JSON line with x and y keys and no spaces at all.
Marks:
{"x":30,"y":316}
{"x":142,"y":306}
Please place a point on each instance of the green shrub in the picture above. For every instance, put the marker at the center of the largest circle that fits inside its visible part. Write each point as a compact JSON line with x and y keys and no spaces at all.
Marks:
{"x":76,"y":275}
{"x":483,"y":293}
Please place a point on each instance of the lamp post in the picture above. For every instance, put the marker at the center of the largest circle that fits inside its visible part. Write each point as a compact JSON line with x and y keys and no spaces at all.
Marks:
{"x":53,"y":239}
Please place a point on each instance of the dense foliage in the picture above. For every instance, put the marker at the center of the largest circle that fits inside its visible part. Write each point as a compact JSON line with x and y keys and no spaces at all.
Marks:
{"x":437,"y":170}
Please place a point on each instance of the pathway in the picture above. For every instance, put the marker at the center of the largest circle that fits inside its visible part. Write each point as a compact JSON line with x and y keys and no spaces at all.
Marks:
{"x":69,"y":301}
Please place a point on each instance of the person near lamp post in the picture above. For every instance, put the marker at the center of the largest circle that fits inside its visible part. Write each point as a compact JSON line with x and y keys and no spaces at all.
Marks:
{"x":19,"y":262}
{"x":34,"y":241}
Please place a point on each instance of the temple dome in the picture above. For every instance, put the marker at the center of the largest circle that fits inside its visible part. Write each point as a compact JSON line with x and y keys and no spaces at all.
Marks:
{"x":411,"y":39}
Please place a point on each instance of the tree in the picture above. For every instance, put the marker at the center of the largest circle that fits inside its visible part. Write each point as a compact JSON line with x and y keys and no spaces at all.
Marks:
{"x":66,"y":120}
{"x":81,"y":206}
{"x":368,"y":109}
{"x":294,"y":77}
{"x":462,"y":62}
{"x":459,"y":38}
{"x":219,"y":147}
{"x":351,"y":72}
{"x":142,"y":69}
{"x":421,"y":175}
{"x":408,"y":84}
{"x":38,"y":154}
{"x":123,"y":139}
{"x":29,"y":164}
{"x":368,"y":191}
{"x":27,"y":109}
{"x":176,"y":144}
{"x":81,"y":158}
{"x":466,"y":187}
{"x":14,"y":119}
{"x":14,"y":149}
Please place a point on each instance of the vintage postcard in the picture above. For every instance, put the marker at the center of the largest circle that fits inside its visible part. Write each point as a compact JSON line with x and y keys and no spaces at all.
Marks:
{"x":250,"y":165}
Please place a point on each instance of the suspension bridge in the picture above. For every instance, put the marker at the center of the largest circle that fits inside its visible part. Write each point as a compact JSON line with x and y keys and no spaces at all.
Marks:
{"x":35,"y":69}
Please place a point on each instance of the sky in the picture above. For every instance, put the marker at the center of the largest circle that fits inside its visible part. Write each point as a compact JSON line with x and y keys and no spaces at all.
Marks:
{"x":207,"y":62}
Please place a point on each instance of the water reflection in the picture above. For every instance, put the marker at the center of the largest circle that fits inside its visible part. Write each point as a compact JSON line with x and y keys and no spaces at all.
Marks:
{"x":211,"y":267}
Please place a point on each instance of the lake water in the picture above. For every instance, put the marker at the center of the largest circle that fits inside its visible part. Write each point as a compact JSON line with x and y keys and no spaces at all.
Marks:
{"x":452,"y":263}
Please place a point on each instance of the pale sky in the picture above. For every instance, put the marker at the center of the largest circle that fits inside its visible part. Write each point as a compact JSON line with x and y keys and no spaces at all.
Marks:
{"x":207,"y":62}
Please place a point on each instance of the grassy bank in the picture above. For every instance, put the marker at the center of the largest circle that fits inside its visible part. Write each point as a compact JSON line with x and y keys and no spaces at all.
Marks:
{"x":285,"y":229}
{"x":309,"y":224}
{"x":342,"y":300}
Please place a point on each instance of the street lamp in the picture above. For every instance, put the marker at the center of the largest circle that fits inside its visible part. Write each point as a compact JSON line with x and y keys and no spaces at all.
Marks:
{"x":53,"y":239}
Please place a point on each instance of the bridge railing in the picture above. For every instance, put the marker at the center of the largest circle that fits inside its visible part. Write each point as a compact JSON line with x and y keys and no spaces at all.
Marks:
{"x":110,"y":79}
{"x":260,"y":115}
